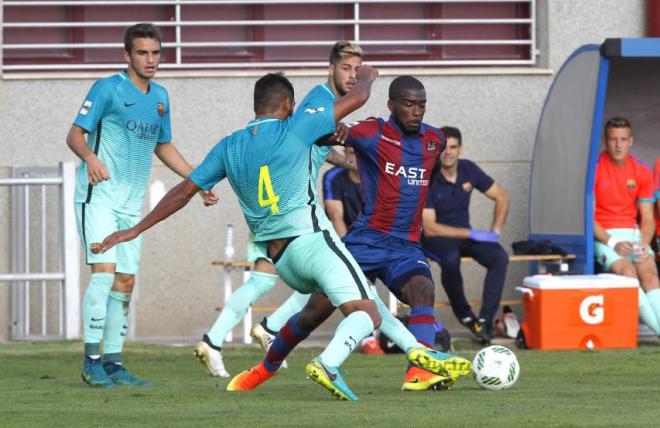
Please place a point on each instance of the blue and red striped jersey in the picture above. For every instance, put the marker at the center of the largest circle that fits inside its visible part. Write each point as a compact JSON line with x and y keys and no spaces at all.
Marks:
{"x":395,"y":170}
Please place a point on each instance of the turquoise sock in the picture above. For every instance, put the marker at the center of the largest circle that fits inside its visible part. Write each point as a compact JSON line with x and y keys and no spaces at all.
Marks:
{"x":240,"y":300}
{"x":392,"y":327}
{"x":116,"y":326}
{"x":94,"y":311}
{"x":651,"y":313}
{"x":293,"y":305}
{"x":350,"y":332}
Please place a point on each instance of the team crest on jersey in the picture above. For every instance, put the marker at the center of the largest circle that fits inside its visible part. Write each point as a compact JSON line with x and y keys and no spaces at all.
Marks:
{"x":467,"y":186}
{"x":160,"y":108}
{"x":430,"y":146}
{"x":631,"y":184}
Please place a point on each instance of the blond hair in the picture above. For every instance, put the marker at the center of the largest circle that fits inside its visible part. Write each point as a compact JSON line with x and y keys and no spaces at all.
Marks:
{"x":344,"y":49}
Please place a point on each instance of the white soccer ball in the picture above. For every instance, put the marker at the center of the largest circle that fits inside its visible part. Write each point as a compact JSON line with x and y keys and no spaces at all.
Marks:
{"x":495,"y":367}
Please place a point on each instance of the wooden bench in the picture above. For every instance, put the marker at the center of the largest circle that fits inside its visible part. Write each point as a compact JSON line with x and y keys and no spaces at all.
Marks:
{"x":542,"y":259}
{"x":230,"y":266}
{"x":550,"y":258}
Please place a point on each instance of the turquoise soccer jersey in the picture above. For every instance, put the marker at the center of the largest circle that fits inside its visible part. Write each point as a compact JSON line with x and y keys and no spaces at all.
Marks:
{"x":319,"y":95}
{"x":124,"y":126}
{"x":270,"y":165}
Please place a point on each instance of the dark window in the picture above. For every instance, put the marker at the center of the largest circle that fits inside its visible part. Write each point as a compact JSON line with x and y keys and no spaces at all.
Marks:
{"x":250,"y":43}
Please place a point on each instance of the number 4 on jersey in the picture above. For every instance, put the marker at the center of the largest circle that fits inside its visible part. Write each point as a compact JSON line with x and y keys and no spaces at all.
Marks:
{"x":264,"y":182}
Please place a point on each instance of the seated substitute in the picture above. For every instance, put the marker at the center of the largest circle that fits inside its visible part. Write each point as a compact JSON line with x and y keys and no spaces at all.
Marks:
{"x":623,"y":193}
{"x":448,"y":235}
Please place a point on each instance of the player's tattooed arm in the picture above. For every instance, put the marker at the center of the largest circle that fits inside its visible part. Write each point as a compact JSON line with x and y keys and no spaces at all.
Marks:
{"x":336,"y":138}
{"x":359,"y":93}
{"x":337,"y":159}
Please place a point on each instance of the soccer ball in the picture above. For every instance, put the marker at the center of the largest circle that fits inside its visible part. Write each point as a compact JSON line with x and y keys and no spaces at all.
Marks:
{"x":495,"y":367}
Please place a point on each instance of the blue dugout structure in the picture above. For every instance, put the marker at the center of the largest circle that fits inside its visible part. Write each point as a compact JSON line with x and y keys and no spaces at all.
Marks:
{"x":621,"y":77}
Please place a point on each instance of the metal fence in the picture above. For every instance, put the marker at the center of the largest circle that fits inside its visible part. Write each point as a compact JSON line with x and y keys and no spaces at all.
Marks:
{"x":357,"y":24}
{"x":45,"y":275}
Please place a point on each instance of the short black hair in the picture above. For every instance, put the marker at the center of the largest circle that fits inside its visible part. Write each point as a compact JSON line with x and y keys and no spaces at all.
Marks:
{"x":617,"y":122}
{"x":403,"y":83}
{"x":270,"y":91}
{"x":143,"y":29}
{"x":451,"y":132}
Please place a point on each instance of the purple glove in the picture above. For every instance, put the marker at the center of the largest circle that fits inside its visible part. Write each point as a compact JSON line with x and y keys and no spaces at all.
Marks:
{"x":483,"y":235}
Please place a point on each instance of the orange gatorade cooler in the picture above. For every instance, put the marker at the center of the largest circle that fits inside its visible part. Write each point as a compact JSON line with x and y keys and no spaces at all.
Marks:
{"x":580,"y":311}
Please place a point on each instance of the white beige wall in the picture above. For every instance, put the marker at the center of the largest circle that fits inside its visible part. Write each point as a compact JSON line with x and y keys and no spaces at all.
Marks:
{"x":180,"y":292}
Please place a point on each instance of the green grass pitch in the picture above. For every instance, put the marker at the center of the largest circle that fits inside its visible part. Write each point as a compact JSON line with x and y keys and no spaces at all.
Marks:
{"x":40,"y":386}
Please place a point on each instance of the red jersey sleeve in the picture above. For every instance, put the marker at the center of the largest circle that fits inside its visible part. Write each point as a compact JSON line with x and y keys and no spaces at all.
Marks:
{"x":363,"y":129}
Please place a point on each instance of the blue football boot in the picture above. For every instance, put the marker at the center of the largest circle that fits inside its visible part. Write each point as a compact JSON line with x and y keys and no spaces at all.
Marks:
{"x":94,"y":375}
{"x":120,"y":376}
{"x":331,"y":378}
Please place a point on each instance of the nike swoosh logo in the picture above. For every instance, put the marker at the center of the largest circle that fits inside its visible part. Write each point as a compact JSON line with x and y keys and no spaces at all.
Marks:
{"x":331,"y":376}
{"x":128,"y":104}
{"x":98,"y":319}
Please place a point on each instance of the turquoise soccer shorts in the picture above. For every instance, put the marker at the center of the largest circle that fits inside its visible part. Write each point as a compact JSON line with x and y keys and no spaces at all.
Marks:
{"x":256,"y":250}
{"x":605,"y":255}
{"x":95,"y":222}
{"x":320,"y":263}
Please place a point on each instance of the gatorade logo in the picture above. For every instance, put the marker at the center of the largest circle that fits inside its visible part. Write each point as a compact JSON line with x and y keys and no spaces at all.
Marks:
{"x":592,"y":310}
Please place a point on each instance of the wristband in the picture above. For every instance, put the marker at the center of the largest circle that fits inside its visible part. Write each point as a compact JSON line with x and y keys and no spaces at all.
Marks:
{"x":612,"y":242}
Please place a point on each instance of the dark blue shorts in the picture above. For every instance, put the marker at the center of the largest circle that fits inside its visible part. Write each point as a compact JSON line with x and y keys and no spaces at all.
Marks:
{"x":380,"y":256}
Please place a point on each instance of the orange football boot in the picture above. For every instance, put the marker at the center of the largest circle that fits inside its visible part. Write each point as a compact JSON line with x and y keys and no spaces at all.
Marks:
{"x":250,"y":379}
{"x":421,"y":380}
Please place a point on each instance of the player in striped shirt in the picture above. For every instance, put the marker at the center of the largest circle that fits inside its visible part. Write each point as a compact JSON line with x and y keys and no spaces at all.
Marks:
{"x":395,"y":159}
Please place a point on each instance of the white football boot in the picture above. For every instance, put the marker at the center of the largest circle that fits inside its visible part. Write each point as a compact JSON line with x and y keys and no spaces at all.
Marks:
{"x":264,"y":339}
{"x":211,"y":358}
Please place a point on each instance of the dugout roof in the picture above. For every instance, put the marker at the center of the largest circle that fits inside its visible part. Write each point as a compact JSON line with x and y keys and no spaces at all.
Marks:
{"x":617,"y":78}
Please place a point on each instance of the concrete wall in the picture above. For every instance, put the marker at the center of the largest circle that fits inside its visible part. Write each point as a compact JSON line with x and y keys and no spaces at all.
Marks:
{"x":180,"y":293}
